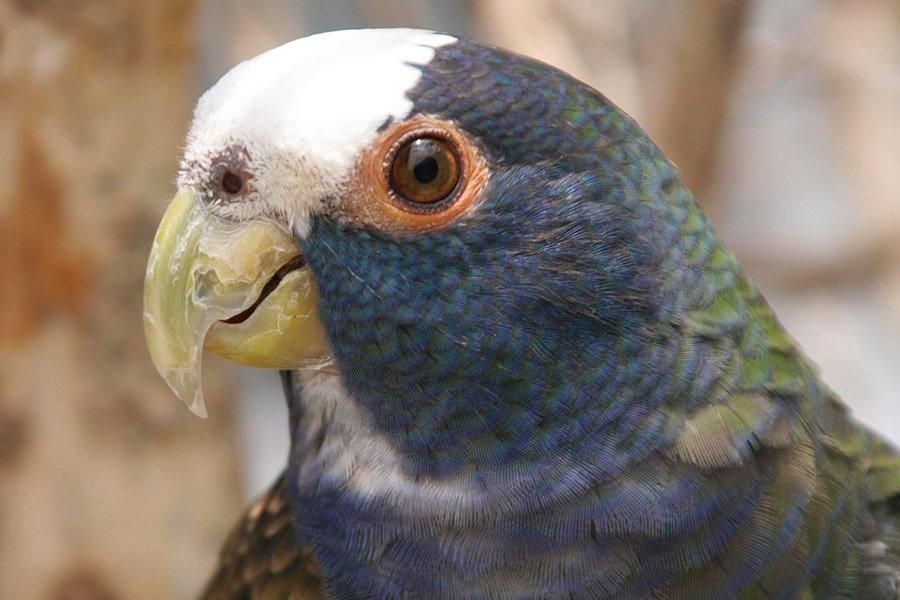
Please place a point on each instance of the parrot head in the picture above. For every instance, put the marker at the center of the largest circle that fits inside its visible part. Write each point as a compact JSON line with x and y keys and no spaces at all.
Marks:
{"x":477,"y":244}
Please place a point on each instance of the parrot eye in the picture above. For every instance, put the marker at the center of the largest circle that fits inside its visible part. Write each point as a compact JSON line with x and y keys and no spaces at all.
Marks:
{"x":418,"y":174}
{"x":424,"y":170}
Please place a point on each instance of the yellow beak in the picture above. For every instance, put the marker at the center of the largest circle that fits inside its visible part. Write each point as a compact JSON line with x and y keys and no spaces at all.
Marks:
{"x":239,"y":288}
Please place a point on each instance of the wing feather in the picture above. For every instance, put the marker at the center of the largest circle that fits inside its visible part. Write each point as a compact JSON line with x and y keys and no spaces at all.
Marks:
{"x":262,"y":560}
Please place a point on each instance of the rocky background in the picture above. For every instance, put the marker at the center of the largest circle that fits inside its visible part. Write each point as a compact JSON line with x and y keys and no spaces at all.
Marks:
{"x":784,"y":118}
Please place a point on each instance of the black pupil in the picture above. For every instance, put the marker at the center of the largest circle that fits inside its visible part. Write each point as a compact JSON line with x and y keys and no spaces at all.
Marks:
{"x":425,"y":166}
{"x":232,"y":182}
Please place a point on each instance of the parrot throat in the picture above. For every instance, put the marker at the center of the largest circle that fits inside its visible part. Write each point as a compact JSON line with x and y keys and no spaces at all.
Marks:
{"x":443,"y":427}
{"x":356,"y":496}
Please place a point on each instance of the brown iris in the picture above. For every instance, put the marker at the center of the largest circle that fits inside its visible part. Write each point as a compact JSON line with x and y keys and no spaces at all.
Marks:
{"x":425,"y":170}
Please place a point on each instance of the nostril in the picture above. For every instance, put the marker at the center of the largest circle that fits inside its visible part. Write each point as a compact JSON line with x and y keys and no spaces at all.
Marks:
{"x":232,"y":182}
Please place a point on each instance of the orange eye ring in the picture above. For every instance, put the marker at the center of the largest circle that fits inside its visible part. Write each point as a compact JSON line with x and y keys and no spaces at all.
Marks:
{"x":386,"y":193}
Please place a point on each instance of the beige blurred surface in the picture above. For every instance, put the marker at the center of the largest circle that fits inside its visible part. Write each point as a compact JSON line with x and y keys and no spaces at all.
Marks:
{"x":783,"y":116}
{"x":107,"y":489}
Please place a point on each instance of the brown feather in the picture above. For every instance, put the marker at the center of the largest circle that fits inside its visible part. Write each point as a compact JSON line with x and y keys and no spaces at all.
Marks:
{"x":261,"y":559}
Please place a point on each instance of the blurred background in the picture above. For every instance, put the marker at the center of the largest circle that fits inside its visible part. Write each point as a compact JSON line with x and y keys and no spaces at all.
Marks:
{"x":784,"y":117}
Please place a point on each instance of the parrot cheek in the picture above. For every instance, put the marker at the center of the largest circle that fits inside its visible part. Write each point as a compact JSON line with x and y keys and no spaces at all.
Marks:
{"x":240,"y":289}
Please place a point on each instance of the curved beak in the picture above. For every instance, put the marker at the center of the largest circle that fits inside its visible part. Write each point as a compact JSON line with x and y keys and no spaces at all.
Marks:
{"x":240,"y":289}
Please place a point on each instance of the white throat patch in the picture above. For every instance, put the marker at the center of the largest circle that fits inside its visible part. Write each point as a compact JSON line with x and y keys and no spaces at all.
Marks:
{"x":337,"y":446}
{"x":304,"y":111}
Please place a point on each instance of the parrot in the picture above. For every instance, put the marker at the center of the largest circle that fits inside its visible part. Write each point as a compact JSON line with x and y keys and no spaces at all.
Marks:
{"x":518,"y":360}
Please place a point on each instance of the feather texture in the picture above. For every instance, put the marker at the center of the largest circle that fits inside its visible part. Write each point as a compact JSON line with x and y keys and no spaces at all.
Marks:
{"x":262,"y":558}
{"x":573,"y":391}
